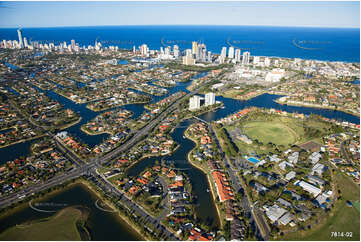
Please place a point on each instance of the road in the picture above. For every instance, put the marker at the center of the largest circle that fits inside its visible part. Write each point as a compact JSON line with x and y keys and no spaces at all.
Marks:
{"x":144,"y":131}
{"x":344,"y":153}
{"x":255,"y":215}
{"x":90,"y":168}
{"x":165,"y":201}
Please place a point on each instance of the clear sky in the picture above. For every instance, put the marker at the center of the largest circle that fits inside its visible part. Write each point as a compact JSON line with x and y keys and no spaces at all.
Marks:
{"x":53,"y":14}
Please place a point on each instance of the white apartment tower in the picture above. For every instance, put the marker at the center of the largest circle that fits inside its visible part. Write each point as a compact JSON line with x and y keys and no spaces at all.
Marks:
{"x":20,"y":35}
{"x":255,"y":60}
{"x":231,"y":52}
{"x":176,"y":51}
{"x":194,"y":47}
{"x":188,"y":59}
{"x":245,"y":58}
{"x":237,"y":56}
{"x":194,"y":102}
{"x":224,"y":52}
{"x":210,"y":99}
{"x":267,"y":61}
{"x":144,"y":50}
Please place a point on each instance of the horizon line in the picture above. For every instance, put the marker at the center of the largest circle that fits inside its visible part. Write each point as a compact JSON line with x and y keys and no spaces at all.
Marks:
{"x":199,"y":25}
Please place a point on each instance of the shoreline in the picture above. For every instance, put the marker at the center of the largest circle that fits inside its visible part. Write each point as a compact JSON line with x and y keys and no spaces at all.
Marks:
{"x":71,"y":124}
{"x":207,"y":175}
{"x":107,"y":108}
{"x":90,"y":133}
{"x":121,"y":216}
{"x":149,"y":156}
{"x":58,"y":190}
{"x":316,"y":106}
{"x":23,"y":141}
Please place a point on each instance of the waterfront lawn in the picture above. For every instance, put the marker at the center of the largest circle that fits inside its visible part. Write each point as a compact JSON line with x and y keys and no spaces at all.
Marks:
{"x":341,"y":218}
{"x":61,"y":226}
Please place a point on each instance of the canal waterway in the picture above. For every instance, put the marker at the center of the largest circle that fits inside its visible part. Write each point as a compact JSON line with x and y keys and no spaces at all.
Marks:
{"x":205,"y":210}
{"x":102,"y":225}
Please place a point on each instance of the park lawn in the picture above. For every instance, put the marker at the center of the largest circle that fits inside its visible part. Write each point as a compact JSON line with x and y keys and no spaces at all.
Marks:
{"x":341,"y":218}
{"x":274,"y":131}
{"x":114,"y":178}
{"x":232,"y":93}
{"x":61,"y":226}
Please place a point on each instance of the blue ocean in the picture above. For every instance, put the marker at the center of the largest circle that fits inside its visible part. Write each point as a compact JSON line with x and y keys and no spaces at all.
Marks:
{"x":332,"y":44}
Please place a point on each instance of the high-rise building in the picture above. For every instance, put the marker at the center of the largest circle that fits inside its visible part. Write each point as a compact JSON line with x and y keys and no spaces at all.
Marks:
{"x":72,"y":44}
{"x":237,"y":55}
{"x":245,"y":58}
{"x":25,"y":43}
{"x":194,"y":47}
{"x":134,"y":49}
{"x":167,"y":51}
{"x":20,"y":36}
{"x":224,"y":52}
{"x":161,"y":50}
{"x":176,"y":51}
{"x":267,"y":61}
{"x":144,"y":51}
{"x":194,"y":102}
{"x":201,"y":52}
{"x":188,"y":59}
{"x":231,"y":52}
{"x":255,"y":60}
{"x":209,"y":56}
{"x":210,"y":99}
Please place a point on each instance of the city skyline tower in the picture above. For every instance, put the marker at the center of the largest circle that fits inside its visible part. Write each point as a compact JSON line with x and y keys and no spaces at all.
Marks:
{"x":20,"y":36}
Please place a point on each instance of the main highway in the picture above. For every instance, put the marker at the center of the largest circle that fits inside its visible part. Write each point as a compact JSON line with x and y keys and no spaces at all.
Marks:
{"x":89,"y":168}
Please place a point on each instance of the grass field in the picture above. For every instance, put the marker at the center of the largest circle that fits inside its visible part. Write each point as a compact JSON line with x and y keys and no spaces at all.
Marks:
{"x":275,"y":132}
{"x":340,"y":219}
{"x":61,"y":226}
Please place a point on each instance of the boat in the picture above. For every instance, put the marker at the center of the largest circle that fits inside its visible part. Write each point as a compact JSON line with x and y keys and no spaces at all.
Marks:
{"x":207,"y":190}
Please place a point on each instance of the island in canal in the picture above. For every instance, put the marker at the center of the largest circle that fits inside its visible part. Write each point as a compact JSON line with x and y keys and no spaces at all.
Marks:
{"x":138,"y":144}
{"x":67,"y":224}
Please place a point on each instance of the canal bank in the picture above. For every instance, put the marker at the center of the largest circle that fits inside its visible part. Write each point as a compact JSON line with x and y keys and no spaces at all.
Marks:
{"x":209,"y":179}
{"x":205,"y":209}
{"x":102,"y":225}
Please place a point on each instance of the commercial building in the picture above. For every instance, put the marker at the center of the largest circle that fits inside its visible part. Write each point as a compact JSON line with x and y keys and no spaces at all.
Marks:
{"x":210,"y":99}
{"x":275,"y":212}
{"x":275,"y":75}
{"x":309,"y":188}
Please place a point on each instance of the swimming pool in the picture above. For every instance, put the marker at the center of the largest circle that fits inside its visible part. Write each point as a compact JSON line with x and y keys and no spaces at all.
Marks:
{"x":253,"y":160}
